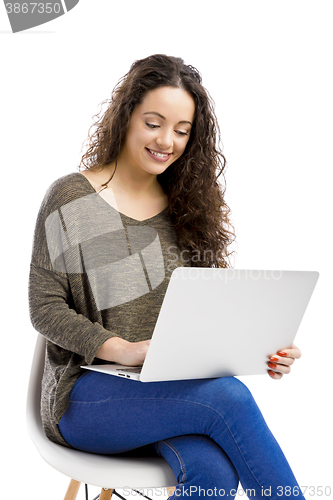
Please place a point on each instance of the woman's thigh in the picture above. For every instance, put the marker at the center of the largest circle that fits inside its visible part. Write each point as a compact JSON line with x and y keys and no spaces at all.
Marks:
{"x":108,"y":414}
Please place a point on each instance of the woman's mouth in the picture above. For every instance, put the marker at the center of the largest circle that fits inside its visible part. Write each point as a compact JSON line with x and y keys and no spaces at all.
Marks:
{"x":158,"y":155}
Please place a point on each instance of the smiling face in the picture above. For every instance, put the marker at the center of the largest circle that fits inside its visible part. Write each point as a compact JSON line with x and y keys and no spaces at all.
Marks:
{"x":159,"y":130}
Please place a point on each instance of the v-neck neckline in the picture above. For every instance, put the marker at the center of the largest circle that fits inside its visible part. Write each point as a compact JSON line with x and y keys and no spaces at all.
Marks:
{"x":123,"y":215}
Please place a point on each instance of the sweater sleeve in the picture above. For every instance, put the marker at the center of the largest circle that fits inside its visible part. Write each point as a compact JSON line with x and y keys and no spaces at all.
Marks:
{"x":60,"y":302}
{"x":51,"y":315}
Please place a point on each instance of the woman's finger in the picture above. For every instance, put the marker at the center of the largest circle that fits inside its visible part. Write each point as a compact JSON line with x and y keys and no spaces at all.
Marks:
{"x":275,"y":367}
{"x":275,"y":375}
{"x":282,"y":360}
{"x":294,"y":352}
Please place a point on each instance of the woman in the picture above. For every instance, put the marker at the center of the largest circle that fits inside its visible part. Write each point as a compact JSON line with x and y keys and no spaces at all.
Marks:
{"x":100,"y":266}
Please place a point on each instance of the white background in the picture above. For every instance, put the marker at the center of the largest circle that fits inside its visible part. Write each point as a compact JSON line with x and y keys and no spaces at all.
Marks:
{"x":268,"y":66}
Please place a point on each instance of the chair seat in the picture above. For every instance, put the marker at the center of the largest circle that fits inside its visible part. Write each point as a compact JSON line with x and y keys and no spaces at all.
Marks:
{"x":107,"y":471}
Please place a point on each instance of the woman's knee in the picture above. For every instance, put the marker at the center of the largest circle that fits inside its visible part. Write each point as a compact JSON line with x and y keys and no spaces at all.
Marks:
{"x":230,"y":392}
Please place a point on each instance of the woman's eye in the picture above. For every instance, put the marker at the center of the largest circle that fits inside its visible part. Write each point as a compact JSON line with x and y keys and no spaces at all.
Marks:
{"x":151,"y":125}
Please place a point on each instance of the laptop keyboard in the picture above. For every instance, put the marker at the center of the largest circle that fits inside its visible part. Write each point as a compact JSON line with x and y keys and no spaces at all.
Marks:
{"x":132,"y":370}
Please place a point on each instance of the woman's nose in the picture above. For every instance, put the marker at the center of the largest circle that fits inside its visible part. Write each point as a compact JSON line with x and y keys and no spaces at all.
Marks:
{"x":164,"y":139}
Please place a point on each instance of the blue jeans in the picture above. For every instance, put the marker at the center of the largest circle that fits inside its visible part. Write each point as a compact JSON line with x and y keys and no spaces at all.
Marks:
{"x":210,"y":431}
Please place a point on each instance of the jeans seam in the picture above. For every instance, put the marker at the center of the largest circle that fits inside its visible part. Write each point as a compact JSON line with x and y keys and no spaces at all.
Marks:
{"x":180,"y":460}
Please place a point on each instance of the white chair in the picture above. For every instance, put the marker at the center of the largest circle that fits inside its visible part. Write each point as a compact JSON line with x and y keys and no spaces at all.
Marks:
{"x":105,"y":471}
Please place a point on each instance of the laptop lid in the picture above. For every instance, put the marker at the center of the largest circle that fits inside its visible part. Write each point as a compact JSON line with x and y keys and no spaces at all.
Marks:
{"x":223,"y":322}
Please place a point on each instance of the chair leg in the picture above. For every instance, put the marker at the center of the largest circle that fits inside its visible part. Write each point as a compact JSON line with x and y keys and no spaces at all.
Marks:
{"x":73,"y":490}
{"x":106,"y":494}
{"x":170,"y":491}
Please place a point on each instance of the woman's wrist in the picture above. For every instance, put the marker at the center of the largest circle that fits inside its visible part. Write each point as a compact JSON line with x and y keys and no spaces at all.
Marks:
{"x":123,"y":352}
{"x":111,"y":349}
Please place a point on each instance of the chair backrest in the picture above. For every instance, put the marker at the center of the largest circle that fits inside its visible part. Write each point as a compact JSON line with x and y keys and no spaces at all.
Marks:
{"x":98,"y":470}
{"x":34,"y":389}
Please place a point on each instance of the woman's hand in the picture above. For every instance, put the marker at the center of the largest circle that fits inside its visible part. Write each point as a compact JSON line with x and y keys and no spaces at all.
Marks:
{"x":123,"y":352}
{"x":280,"y":363}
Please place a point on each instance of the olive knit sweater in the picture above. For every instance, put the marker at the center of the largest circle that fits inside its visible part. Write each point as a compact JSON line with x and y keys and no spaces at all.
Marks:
{"x":95,"y":274}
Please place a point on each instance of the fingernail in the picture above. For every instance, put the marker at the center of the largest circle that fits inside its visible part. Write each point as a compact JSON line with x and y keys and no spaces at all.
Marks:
{"x":281,"y":353}
{"x":271,"y":373}
{"x":271,"y":365}
{"x":274,"y":359}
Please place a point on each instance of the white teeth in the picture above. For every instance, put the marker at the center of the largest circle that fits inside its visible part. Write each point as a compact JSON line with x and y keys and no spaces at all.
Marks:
{"x":160,"y":155}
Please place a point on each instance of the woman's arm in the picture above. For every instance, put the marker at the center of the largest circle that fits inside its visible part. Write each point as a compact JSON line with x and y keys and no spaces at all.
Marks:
{"x":61,"y":302}
{"x":53,"y":316}
{"x":280,"y":363}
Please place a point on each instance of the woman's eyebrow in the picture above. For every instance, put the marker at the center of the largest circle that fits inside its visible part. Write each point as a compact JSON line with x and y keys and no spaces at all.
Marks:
{"x":163,"y":117}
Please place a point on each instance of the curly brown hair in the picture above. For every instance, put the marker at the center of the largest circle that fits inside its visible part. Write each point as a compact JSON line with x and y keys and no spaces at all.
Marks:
{"x":195,"y":197}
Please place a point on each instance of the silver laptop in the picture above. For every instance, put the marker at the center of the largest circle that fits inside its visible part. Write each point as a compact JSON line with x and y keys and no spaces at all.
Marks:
{"x":221,"y":322}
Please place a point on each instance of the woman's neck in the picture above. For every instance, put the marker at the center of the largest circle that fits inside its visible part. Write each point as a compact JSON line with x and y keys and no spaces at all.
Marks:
{"x":135,"y":184}
{"x":139,"y":198}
